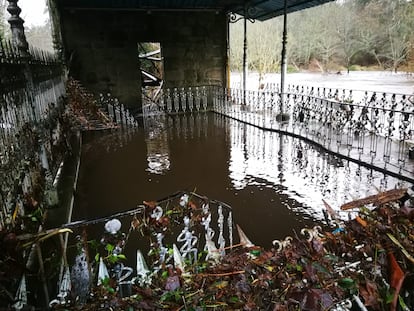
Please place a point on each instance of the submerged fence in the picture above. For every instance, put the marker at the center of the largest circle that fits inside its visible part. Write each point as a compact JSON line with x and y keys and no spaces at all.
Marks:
{"x":30,"y":124}
{"x":175,"y":232}
{"x":373,"y":129}
{"x":178,"y":100}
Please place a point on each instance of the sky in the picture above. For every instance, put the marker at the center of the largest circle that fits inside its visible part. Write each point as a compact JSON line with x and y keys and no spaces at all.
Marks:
{"x":32,"y":12}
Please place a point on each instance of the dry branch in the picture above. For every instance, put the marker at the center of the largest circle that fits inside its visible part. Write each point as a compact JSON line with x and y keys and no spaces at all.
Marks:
{"x":376,"y":199}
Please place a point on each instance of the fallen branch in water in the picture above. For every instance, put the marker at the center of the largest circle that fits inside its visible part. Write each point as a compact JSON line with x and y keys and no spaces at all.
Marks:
{"x":376,"y":199}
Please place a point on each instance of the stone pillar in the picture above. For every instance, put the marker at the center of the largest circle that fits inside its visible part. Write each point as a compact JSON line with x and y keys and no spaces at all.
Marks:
{"x":17,"y":29}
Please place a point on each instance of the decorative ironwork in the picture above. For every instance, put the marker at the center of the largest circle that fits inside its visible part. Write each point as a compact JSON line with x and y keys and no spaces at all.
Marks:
{"x":360,"y":125}
{"x":249,"y":13}
{"x":178,"y":100}
{"x":195,"y":215}
{"x":17,"y":29}
{"x":117,"y":111}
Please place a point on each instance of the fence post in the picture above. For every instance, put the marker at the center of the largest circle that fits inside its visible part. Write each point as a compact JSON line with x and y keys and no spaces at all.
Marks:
{"x":17,"y":29}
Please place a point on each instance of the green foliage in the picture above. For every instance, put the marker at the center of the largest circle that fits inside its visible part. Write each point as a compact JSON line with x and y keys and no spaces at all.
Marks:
{"x":112,"y":257}
{"x":174,"y":295}
{"x":106,"y":285}
{"x":292,"y":69}
{"x":348,"y":284}
{"x":355,"y":68}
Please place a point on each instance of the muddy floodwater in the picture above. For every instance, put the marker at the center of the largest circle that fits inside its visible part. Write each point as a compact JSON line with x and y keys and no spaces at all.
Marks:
{"x":371,"y":81}
{"x":275,"y":184}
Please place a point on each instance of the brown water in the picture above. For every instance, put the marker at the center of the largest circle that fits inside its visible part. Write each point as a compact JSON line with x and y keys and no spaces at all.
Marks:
{"x":274,"y":183}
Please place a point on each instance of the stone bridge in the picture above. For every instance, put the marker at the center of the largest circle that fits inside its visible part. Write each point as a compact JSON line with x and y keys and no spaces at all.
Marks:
{"x":99,"y":40}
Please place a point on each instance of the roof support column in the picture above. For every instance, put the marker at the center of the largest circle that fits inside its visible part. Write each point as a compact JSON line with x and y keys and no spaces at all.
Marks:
{"x":245,"y":69}
{"x":284,"y":65}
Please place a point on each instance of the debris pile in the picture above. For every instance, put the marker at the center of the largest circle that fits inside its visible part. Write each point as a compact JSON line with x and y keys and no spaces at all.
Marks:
{"x":365,"y":263}
{"x":83,"y":109}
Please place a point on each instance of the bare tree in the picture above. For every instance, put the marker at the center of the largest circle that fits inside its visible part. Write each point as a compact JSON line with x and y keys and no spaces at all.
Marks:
{"x":327,"y":41}
{"x":349,"y":44}
{"x":264,"y":46}
{"x":2,"y":18}
{"x":40,"y":37}
{"x":301,"y":38}
{"x":236,"y":46}
{"x":399,"y":32}
{"x":342,"y":32}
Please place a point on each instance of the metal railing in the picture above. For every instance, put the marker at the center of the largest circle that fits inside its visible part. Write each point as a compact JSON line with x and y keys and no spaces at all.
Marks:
{"x":177,"y":232}
{"x":374,"y":129}
{"x":116,"y":111}
{"x":371,"y":128}
{"x":30,"y":127}
{"x":178,"y":100}
{"x":32,"y":143}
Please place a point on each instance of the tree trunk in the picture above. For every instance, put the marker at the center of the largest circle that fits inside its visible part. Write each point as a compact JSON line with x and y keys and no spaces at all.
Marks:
{"x":377,"y":59}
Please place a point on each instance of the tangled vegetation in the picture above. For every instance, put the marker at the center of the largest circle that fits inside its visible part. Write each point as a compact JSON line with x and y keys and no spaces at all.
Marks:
{"x":366,"y":262}
{"x":26,"y":190}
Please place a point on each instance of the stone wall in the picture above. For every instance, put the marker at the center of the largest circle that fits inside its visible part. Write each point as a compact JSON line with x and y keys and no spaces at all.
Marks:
{"x":101,"y":49}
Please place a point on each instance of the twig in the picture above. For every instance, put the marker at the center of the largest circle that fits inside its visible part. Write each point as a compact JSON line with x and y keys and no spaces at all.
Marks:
{"x":228,"y":247}
{"x":404,"y":251}
{"x":223,"y":274}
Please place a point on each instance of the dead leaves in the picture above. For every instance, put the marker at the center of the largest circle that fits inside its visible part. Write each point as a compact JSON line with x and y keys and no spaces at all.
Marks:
{"x":396,"y":279}
{"x":314,"y":273}
{"x":369,"y":292}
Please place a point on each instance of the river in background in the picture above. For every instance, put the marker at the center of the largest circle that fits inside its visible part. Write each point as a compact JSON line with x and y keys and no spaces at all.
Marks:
{"x":375,"y":81}
{"x":274,"y":183}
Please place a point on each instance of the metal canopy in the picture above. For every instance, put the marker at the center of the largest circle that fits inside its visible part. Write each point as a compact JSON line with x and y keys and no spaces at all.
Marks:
{"x":256,"y":9}
{"x":265,"y":9}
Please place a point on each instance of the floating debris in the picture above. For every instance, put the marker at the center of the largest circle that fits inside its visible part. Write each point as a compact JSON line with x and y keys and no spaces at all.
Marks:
{"x":83,"y":109}
{"x":366,"y":265}
{"x":113,"y":226}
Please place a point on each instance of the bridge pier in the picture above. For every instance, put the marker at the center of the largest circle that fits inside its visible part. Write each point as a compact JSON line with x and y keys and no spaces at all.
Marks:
{"x":102,"y":48}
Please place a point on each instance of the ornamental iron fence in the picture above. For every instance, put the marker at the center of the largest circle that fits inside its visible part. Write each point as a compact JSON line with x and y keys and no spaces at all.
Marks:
{"x":374,"y":129}
{"x":371,"y":128}
{"x":31,"y":128}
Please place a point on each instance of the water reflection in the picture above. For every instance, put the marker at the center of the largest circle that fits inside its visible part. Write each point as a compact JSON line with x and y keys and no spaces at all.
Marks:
{"x":304,"y":172}
{"x":274,"y":183}
{"x":156,"y":139}
{"x":107,"y":141}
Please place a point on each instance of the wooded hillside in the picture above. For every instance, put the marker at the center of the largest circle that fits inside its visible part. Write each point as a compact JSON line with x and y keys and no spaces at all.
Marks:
{"x":339,"y":35}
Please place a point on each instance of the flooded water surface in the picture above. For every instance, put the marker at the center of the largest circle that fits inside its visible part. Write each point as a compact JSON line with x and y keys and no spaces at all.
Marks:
{"x":373,"y":81}
{"x":275,"y":184}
